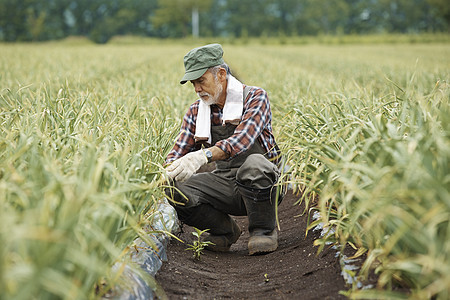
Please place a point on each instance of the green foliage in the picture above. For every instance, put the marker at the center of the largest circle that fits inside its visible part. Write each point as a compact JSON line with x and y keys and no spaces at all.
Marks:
{"x":174,"y":16}
{"x":377,"y":156}
{"x":383,"y":182}
{"x":85,"y":130}
{"x":199,"y":245}
{"x":80,"y":164}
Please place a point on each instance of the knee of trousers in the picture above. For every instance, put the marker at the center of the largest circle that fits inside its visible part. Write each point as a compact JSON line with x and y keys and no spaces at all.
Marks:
{"x":257,"y":172}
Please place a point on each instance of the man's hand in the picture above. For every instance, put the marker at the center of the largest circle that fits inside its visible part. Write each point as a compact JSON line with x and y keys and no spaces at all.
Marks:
{"x":183,"y":168}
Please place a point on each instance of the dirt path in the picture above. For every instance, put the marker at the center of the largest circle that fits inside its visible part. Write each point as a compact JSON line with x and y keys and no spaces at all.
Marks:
{"x":294,"y":271}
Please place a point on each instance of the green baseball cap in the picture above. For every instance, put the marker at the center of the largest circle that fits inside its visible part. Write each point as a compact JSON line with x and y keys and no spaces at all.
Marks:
{"x":199,"y":60}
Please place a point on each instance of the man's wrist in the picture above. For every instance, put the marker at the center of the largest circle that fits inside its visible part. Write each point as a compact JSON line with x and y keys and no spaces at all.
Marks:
{"x":208,"y":154}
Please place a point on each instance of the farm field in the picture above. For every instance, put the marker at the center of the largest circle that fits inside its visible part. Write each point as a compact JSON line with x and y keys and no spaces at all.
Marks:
{"x":85,"y":130}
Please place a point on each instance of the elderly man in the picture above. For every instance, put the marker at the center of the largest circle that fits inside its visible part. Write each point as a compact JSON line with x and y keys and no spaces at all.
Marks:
{"x":230,"y":124}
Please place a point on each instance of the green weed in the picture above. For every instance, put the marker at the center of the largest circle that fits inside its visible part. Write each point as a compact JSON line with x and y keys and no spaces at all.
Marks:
{"x":198,"y":245}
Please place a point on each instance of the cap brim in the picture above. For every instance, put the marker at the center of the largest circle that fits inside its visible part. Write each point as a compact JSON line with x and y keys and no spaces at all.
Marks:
{"x":193,"y":75}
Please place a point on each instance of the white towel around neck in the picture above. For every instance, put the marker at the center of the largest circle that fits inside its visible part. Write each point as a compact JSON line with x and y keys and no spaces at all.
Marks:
{"x":232,"y":110}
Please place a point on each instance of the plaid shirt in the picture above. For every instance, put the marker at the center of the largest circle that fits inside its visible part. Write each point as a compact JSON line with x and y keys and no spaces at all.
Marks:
{"x":255,"y":126}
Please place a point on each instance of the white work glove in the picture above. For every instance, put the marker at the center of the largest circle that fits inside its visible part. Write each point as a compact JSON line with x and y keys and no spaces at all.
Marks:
{"x":183,"y":168}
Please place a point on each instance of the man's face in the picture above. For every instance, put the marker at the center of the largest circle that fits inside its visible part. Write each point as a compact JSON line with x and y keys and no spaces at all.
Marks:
{"x":208,"y":88}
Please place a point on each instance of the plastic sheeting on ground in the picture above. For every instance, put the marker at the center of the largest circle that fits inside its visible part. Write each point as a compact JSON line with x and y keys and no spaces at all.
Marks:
{"x":133,"y":284}
{"x":348,"y":269}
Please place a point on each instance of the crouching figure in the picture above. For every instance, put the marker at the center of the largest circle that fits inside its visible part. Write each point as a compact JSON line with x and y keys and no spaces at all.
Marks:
{"x":229,"y":126}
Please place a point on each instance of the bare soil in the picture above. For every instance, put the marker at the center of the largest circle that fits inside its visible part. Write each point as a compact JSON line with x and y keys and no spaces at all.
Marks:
{"x":294,"y":271}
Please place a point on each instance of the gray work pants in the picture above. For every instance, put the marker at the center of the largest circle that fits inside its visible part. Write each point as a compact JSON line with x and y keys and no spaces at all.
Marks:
{"x":219,"y":188}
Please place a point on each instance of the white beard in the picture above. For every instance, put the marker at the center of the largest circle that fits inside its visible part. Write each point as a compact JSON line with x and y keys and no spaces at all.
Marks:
{"x":212,"y":99}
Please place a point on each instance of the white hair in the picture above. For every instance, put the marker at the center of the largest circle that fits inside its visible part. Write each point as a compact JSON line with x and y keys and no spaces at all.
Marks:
{"x":214,"y":70}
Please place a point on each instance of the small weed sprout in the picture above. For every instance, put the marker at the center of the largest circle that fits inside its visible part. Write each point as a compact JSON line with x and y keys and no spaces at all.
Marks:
{"x":198,"y":245}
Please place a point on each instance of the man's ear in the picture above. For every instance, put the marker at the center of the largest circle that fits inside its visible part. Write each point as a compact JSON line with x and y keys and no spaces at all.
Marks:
{"x":222,"y":74}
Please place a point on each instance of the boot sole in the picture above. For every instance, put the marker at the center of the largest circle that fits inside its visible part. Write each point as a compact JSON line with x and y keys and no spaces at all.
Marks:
{"x":260,"y":244}
{"x":255,"y":250}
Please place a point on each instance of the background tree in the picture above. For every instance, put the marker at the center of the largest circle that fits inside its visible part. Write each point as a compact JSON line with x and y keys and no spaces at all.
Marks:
{"x":174,"y":16}
{"x":441,"y":9}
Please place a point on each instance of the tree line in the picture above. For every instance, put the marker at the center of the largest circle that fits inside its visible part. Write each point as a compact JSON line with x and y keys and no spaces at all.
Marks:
{"x":40,"y":20}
